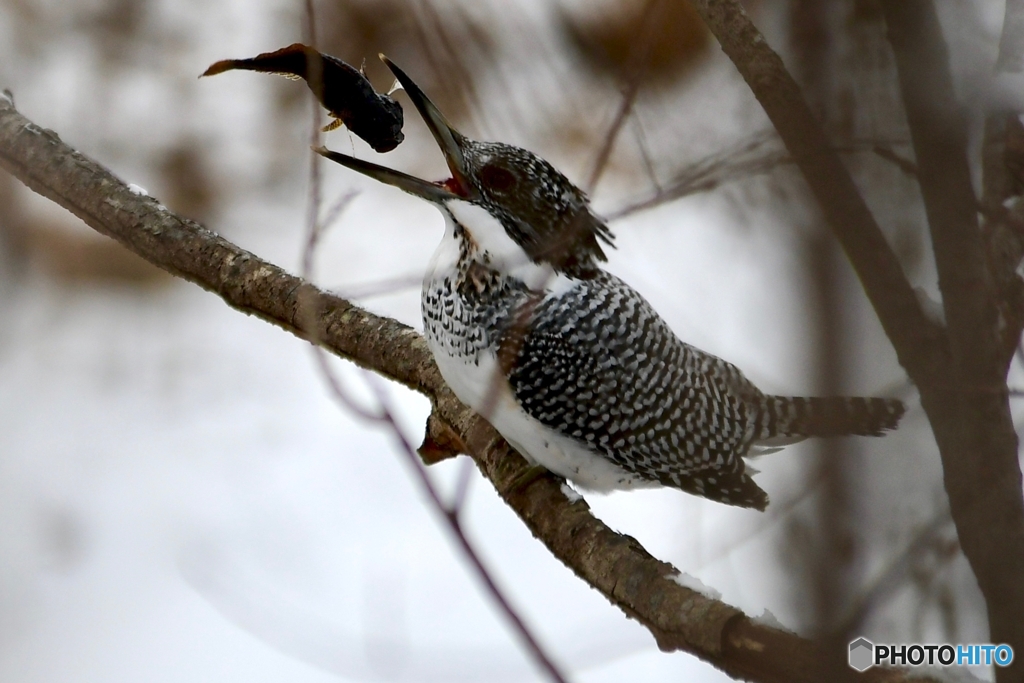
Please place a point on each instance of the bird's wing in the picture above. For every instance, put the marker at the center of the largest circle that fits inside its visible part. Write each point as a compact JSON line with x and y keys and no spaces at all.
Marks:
{"x":599,"y":365}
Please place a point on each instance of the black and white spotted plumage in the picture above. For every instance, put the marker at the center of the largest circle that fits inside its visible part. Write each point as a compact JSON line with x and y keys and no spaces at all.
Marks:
{"x":571,"y":365}
{"x":598,"y":365}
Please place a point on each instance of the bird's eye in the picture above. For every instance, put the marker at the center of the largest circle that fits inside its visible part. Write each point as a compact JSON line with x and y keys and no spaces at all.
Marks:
{"x":497,"y":178}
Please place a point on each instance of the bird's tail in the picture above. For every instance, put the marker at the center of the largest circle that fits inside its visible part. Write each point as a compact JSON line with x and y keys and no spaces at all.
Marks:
{"x":796,"y":418}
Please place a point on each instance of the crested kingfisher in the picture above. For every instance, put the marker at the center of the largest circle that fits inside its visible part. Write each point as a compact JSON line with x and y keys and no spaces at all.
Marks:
{"x":570,"y":364}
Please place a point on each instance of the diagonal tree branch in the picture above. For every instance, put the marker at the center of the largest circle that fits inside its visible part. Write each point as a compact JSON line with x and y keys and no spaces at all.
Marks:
{"x":920,"y":344}
{"x":961,"y":377}
{"x":614,"y":564}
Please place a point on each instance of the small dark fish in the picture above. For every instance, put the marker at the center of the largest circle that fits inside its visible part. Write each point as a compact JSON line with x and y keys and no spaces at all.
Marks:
{"x":342,"y":89}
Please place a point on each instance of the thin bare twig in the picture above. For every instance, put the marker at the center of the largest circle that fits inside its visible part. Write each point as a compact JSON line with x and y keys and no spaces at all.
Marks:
{"x":754,"y":156}
{"x":777,"y":513}
{"x":335,"y":210}
{"x":383,"y":414}
{"x":645,"y":154}
{"x":757,"y":155}
{"x":462,"y":484}
{"x":314,"y":227}
{"x":451,"y":516}
{"x":391,"y":285}
{"x":634,"y":77}
{"x":890,"y":579}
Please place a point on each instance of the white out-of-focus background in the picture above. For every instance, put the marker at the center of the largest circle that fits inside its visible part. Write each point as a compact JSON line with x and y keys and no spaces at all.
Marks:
{"x":181,"y":500}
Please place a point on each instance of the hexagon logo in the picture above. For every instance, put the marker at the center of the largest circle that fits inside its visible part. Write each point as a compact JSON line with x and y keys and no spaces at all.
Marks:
{"x":862,"y":654}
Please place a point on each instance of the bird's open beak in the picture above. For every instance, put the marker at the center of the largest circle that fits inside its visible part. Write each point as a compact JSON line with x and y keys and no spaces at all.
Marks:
{"x":448,"y":139}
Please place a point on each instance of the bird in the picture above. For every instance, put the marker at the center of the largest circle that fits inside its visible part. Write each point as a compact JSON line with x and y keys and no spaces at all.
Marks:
{"x":573,"y":367}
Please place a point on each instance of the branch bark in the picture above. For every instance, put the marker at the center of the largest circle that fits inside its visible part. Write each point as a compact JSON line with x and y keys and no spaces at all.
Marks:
{"x":1002,"y":152}
{"x":612,"y":563}
{"x":982,"y":472}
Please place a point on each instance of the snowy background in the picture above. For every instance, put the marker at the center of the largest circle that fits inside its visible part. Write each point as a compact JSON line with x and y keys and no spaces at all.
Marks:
{"x":180,"y":498}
